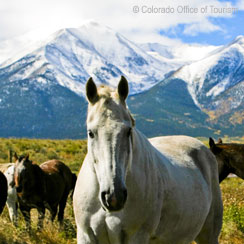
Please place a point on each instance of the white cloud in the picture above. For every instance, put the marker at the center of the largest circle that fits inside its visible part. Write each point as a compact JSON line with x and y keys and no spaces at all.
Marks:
{"x":141,"y":36}
{"x":17,"y":17}
{"x":204,"y":27}
{"x":240,"y":5}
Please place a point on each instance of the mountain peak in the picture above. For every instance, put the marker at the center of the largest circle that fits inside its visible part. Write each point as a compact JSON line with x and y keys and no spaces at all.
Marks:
{"x":238,"y":40}
{"x":71,"y":55}
{"x":48,"y":81}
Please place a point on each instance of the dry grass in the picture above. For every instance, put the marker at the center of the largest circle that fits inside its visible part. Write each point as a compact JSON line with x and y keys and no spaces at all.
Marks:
{"x":233,"y":221}
{"x":72,"y":153}
{"x":51,"y":233}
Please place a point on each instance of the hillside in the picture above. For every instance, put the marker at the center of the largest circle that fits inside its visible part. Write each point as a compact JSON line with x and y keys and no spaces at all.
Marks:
{"x":191,"y":89}
{"x":203,"y":98}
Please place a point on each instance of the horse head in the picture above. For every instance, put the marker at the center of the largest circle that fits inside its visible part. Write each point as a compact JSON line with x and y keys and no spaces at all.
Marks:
{"x":223,"y":156}
{"x":110,"y":131}
{"x":23,"y":175}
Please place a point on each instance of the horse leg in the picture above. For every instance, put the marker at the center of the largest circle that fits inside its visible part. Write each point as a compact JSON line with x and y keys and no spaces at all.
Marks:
{"x":12,"y":209}
{"x":210,"y":231}
{"x":15,"y":214}
{"x":53,"y":212}
{"x":26,"y":213}
{"x":41,"y":215}
{"x":86,"y":238}
{"x":62,"y":205}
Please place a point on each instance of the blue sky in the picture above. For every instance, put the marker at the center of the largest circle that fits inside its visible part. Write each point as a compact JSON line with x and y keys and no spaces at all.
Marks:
{"x":229,"y":29}
{"x":43,"y":17}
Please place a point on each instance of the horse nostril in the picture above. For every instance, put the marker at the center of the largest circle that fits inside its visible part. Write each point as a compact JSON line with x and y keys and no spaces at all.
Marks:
{"x":125,"y":195}
{"x":104,"y":198}
{"x":113,"y":201}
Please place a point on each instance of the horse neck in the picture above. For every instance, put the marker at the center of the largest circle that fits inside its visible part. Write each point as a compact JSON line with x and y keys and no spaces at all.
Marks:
{"x":233,"y":155}
{"x":144,"y":176}
{"x":40,"y":177}
{"x":145,"y":156}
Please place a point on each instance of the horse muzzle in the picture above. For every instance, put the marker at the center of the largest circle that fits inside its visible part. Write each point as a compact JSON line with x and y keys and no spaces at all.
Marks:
{"x":113,"y":201}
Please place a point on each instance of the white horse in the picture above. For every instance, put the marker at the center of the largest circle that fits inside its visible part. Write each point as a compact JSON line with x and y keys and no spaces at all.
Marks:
{"x":129,"y":192}
{"x":12,"y":199}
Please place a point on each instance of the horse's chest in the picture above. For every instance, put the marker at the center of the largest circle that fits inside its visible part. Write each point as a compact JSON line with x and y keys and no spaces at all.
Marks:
{"x":113,"y":227}
{"x":108,"y":228}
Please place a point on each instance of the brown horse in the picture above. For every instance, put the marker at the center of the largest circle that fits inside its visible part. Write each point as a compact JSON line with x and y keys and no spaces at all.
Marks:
{"x":230,"y":157}
{"x":41,"y":187}
{"x":3,"y":191}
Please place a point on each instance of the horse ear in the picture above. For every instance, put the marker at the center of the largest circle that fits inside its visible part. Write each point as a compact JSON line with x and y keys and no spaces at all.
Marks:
{"x":15,"y":157}
{"x":123,"y":88}
{"x":91,"y":91}
{"x":220,"y":141}
{"x":27,"y":156}
{"x":211,"y":142}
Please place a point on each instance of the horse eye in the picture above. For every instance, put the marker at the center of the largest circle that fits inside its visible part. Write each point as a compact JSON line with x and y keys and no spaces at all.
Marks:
{"x":129,"y":132}
{"x":91,"y":134}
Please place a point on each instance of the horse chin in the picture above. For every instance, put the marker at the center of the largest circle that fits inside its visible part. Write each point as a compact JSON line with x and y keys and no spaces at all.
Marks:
{"x":112,"y":208}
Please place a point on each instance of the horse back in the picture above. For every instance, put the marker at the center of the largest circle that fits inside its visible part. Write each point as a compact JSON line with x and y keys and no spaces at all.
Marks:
{"x":57,"y":173}
{"x":188,"y":153}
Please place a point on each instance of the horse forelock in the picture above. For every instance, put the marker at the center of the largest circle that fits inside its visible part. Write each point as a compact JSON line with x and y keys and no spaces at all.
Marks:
{"x":109,"y":106}
{"x":21,"y":158}
{"x":107,"y":92}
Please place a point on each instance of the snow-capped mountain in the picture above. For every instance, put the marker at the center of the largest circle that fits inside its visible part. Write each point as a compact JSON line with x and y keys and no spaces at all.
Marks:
{"x":187,"y":89}
{"x":180,"y":54}
{"x":211,"y":79}
{"x":72,"y":55}
{"x":203,"y":98}
{"x":42,"y":87}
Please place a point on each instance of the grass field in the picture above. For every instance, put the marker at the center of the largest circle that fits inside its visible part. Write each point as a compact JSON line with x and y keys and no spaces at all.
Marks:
{"x":72,"y":153}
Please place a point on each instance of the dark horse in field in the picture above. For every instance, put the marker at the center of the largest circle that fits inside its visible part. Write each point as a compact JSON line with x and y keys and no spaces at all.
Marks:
{"x":41,"y":187}
{"x":3,"y":191}
{"x":230,"y":157}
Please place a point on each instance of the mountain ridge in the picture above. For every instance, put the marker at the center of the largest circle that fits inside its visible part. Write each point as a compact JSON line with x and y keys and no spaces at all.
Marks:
{"x":75,"y":54}
{"x":43,"y":93}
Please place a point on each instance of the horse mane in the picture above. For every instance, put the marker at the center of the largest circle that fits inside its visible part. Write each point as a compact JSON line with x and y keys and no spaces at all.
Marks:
{"x":231,"y":147}
{"x":227,"y":147}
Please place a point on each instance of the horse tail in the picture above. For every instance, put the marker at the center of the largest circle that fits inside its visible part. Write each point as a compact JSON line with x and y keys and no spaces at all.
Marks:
{"x":74,"y":178}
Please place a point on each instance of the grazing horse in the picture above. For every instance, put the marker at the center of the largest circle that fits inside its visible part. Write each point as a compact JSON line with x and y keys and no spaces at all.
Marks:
{"x":129,"y":192}
{"x":3,"y":191}
{"x":230,"y":157}
{"x":44,"y":186}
